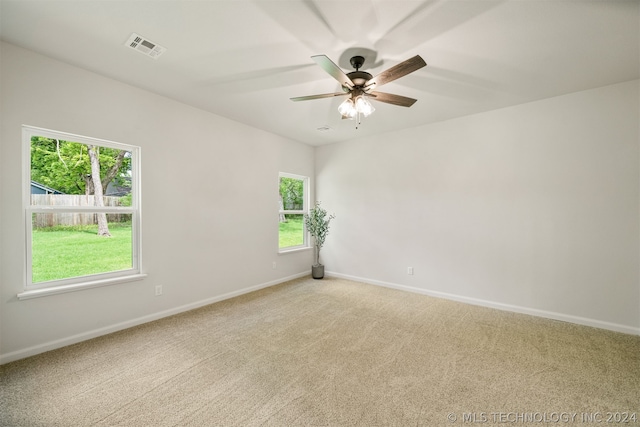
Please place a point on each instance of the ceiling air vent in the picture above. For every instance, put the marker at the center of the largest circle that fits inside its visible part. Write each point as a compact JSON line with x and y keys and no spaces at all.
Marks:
{"x":145,"y":46}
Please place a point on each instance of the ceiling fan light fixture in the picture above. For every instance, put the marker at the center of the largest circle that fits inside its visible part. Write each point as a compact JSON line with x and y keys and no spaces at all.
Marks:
{"x":347,"y":109}
{"x":352,"y":108}
{"x":363,"y":106}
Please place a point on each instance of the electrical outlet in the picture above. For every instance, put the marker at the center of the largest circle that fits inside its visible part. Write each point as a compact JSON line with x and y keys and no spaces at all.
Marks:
{"x":158,"y":290}
{"x":274,"y":265}
{"x":410,"y":271}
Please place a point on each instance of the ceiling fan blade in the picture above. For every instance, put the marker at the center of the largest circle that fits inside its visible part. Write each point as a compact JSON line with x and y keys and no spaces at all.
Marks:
{"x":397,"y":71}
{"x":324,"y":95}
{"x":336,"y":72}
{"x":389,"y":98}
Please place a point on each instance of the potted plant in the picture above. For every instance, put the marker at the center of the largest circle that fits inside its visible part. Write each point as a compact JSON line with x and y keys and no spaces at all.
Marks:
{"x":317,"y":223}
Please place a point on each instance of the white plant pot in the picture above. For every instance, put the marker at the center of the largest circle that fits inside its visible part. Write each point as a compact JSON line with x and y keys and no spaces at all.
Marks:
{"x":317,"y":271}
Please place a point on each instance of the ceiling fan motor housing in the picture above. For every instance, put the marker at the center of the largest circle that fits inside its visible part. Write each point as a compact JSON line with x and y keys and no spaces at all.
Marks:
{"x":359,"y":78}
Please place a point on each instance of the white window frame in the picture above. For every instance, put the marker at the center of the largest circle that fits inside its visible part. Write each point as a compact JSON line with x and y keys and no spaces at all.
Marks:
{"x":33,"y":290}
{"x":305,"y":210}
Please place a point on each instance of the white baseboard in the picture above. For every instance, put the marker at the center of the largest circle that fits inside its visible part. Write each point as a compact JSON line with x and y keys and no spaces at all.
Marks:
{"x":492,"y":304}
{"x":74,"y":339}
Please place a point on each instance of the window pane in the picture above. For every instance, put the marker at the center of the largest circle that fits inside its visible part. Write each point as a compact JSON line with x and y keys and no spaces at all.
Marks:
{"x":66,"y":245}
{"x":64,"y":168}
{"x":292,"y":194}
{"x":291,"y":231}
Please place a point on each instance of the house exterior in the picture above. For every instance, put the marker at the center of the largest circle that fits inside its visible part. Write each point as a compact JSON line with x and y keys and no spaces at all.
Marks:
{"x":37,"y":188}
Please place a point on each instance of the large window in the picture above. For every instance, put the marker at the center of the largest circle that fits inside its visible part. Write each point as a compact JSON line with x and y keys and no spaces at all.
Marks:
{"x":82,"y":212}
{"x":294,"y":200}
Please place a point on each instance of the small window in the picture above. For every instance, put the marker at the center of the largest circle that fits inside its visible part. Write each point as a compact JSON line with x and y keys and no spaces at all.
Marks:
{"x":294,"y":200}
{"x":82,"y":209}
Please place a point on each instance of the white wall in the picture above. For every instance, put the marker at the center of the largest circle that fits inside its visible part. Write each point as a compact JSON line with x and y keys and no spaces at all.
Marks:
{"x":209,"y":191}
{"x":533,"y":208}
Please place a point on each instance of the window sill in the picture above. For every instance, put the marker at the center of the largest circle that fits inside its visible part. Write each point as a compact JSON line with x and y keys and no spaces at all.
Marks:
{"x":294,"y":249}
{"x":54,"y":290}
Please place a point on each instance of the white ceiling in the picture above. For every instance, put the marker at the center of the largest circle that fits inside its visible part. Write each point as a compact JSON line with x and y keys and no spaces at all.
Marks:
{"x":245,"y":59}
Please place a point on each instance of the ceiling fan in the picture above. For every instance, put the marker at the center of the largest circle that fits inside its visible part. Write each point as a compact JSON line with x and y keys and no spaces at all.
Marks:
{"x":361,"y":85}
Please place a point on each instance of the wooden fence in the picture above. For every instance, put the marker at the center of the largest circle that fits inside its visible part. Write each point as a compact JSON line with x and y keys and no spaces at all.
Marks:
{"x":41,"y":220}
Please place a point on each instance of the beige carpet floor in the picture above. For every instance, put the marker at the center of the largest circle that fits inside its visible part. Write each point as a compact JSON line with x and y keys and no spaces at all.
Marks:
{"x":331,"y":353}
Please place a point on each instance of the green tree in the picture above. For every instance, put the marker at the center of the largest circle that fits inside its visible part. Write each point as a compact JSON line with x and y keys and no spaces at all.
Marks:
{"x":292,"y":193}
{"x":75,"y":168}
{"x":66,"y":166}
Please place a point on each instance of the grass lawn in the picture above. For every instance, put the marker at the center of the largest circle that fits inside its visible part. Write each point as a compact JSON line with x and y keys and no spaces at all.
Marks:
{"x":64,"y":252}
{"x":292,"y":231}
